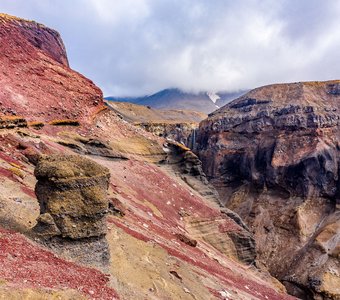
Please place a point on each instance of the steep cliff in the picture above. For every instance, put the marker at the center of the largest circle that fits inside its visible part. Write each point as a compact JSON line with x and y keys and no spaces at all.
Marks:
{"x":35,"y":76}
{"x":273,"y":155}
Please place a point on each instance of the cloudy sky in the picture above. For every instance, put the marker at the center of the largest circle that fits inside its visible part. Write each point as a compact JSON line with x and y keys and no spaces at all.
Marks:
{"x":135,"y":47}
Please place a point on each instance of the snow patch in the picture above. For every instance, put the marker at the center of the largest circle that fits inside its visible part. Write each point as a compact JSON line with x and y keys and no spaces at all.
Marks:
{"x":213,"y":96}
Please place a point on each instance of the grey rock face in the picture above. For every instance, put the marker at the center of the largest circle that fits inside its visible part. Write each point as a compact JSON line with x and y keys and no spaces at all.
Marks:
{"x":274,"y":157}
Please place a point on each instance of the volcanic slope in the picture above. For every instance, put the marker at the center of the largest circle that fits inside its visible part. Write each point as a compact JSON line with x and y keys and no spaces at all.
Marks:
{"x":164,"y":239}
{"x":174,"y":99}
{"x":35,"y":76}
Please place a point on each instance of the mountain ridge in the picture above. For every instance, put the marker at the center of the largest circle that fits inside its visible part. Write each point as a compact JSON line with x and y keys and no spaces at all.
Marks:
{"x":175,"y":98}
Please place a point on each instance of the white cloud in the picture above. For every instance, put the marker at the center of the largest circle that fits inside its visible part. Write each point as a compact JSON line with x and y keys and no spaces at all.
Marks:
{"x":140,"y":46}
{"x":116,"y":12}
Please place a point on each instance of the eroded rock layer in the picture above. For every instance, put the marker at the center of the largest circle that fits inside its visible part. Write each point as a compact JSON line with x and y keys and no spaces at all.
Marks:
{"x":177,"y":125}
{"x":273,"y":154}
{"x":72,"y":195}
{"x":35,"y":76}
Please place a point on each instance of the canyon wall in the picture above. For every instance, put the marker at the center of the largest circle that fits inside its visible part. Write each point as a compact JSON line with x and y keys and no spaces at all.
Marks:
{"x":273,"y":155}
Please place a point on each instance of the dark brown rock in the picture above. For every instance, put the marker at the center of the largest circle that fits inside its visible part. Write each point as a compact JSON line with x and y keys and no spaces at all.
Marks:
{"x":184,"y":162}
{"x":273,"y":155}
{"x":244,"y":243}
{"x":9,"y":122}
{"x":186,"y":240}
{"x":180,"y":132}
{"x":188,"y":162}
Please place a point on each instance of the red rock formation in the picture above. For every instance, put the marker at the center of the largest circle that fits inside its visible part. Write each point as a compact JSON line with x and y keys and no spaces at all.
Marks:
{"x":26,"y":265}
{"x":35,"y":79}
{"x":273,"y":155}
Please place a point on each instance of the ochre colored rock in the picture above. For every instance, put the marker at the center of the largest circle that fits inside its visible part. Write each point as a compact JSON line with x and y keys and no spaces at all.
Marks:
{"x":8,"y":122}
{"x":273,"y":155}
{"x":188,"y":162}
{"x":224,"y":234}
{"x":72,"y":193}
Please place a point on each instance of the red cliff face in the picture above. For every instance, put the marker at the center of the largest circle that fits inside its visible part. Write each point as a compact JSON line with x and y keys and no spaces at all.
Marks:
{"x":35,"y":79}
{"x":273,"y":154}
{"x":38,"y":35}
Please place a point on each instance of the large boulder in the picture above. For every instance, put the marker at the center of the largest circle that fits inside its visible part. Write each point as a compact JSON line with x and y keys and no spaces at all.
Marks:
{"x":72,"y":193}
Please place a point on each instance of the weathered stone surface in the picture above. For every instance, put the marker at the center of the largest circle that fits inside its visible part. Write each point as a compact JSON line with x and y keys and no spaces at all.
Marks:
{"x":225,"y":235}
{"x":36,"y":81}
{"x":188,"y":162}
{"x":144,"y":252}
{"x":273,"y":155}
{"x":72,"y":193}
{"x":9,"y":122}
{"x":46,"y":226}
{"x":186,"y":240}
{"x":226,"y":232}
{"x":179,"y":132}
{"x":176,"y":125}
{"x":245,"y":246}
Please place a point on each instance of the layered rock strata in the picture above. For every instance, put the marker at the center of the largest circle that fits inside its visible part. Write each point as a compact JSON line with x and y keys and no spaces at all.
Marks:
{"x":72,"y":195}
{"x":273,"y":155}
{"x":225,"y":232}
{"x":141,"y":256}
{"x":179,"y":132}
{"x":35,"y":70}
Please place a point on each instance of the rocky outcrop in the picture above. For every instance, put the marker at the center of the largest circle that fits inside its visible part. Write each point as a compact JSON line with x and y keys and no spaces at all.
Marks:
{"x":273,"y":155}
{"x":225,"y":232}
{"x":188,"y":161}
{"x":40,"y":36}
{"x":36,"y":81}
{"x":179,"y":132}
{"x":88,"y":146}
{"x":176,"y":125}
{"x":224,"y":235}
{"x":72,"y":195}
{"x":9,"y":122}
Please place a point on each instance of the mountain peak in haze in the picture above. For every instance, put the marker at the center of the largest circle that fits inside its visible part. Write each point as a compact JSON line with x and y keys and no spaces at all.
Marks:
{"x":175,"y":98}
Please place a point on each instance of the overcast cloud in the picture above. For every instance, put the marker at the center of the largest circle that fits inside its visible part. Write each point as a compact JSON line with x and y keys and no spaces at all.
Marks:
{"x":135,"y":47}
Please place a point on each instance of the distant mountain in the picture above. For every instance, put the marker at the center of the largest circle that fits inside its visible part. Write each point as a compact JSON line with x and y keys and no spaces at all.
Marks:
{"x":174,"y":98}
